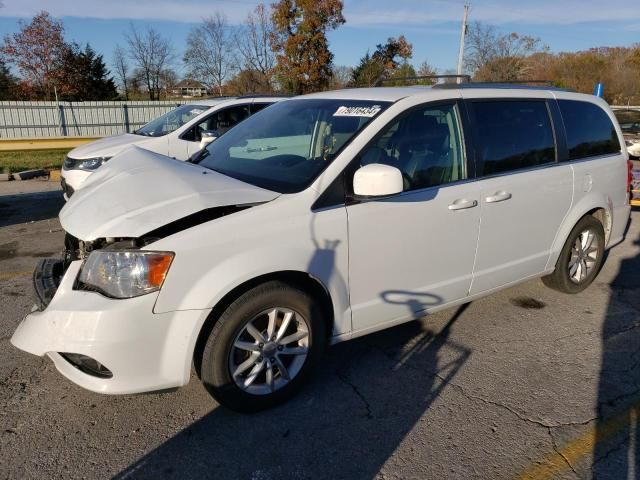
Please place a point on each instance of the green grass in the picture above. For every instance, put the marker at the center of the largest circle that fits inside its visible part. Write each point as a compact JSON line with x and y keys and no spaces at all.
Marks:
{"x":32,"y":159}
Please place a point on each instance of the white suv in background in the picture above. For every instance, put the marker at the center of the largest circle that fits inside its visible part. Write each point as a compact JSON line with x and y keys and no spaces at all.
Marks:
{"x":178,"y":134}
{"x":320,"y":219}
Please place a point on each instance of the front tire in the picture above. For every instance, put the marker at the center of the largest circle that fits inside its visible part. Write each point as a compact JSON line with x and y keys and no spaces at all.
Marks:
{"x":262,"y":347}
{"x":580,"y":259}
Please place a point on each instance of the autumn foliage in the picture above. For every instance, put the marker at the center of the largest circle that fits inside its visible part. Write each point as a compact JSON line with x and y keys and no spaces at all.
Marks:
{"x":49,"y":65}
{"x":304,"y":61}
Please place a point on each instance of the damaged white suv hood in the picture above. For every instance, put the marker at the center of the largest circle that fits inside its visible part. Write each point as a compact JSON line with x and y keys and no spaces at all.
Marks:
{"x":139,"y":191}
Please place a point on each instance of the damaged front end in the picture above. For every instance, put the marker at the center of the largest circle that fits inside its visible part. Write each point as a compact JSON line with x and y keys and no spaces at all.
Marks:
{"x":49,"y":272}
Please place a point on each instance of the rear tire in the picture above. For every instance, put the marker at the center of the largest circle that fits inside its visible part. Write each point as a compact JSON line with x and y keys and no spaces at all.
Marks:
{"x":262,"y":347}
{"x":580,"y":259}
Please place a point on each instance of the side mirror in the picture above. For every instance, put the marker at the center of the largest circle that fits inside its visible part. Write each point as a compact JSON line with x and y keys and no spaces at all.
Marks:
{"x":377,"y":180}
{"x":207,"y":136}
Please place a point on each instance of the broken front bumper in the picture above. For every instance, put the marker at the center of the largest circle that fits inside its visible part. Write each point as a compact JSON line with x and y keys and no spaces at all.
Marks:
{"x":143,"y":350}
{"x":46,"y":280}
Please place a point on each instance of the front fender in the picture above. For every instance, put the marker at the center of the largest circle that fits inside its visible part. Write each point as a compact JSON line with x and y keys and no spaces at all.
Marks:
{"x":214,"y":258}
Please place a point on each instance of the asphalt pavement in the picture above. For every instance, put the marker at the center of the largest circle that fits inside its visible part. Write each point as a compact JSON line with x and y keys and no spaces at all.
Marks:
{"x":526,"y":383}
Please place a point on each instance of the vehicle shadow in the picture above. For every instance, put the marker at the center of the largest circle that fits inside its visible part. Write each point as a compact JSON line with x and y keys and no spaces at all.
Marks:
{"x":616,"y":452}
{"x":368,"y":395}
{"x":29,"y":207}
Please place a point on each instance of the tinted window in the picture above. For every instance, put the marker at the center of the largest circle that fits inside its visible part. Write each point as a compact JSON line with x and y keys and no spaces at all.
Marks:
{"x":425,"y":144}
{"x":512,"y":135}
{"x":219,"y":122}
{"x":256,"y":107}
{"x":589,"y":129}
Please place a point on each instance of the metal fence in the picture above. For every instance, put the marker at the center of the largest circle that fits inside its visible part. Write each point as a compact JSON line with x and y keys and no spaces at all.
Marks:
{"x":76,"y":119}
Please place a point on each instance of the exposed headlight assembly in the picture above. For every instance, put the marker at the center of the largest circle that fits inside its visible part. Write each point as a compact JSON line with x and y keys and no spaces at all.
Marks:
{"x":125,"y":273}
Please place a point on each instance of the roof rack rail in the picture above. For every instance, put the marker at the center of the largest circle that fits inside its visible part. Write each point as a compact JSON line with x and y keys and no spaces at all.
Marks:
{"x":522,"y":84}
{"x":262,"y":95}
{"x":462,"y":78}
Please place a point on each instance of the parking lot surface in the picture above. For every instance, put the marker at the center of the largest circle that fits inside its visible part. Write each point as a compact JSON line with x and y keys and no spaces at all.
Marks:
{"x":526,"y":383}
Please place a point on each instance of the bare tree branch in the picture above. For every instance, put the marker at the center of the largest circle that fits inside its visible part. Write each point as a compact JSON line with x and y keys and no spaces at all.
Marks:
{"x":152,"y":54}
{"x":492,"y":56}
{"x":209,"y":55}
{"x":254,"y":43}
{"x":121,"y":69}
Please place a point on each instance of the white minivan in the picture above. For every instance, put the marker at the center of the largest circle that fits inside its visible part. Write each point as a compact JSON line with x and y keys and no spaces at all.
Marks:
{"x":320,"y":219}
{"x":178,"y":134}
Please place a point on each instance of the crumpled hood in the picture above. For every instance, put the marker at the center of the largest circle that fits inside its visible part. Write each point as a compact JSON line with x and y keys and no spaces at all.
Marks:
{"x":139,"y":191}
{"x":108,"y":146}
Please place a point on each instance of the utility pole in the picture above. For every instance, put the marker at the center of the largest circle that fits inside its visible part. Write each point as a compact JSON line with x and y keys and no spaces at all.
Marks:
{"x":463,"y":33}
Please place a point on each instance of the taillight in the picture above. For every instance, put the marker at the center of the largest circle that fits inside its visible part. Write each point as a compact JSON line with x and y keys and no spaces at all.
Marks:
{"x":629,"y":175}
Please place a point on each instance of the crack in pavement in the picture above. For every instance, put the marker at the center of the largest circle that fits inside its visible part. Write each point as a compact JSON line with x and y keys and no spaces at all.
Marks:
{"x":559,"y":452}
{"x":521,"y":416}
{"x":602,"y":458}
{"x":359,"y":394}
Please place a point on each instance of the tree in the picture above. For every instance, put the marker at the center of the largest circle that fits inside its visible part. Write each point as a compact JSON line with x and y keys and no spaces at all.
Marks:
{"x":85,"y":76}
{"x":7,"y":82}
{"x":340,"y":76}
{"x":303,"y":58}
{"x":209,"y":56}
{"x":492,"y":56}
{"x":168,"y":79}
{"x":401,"y":73}
{"x":615,"y":67}
{"x":366,"y":73}
{"x":257,"y":57}
{"x":121,"y":69}
{"x":425,"y":70}
{"x":152,"y":54}
{"x":246,"y":82}
{"x":36,"y":51}
{"x":387,"y":58}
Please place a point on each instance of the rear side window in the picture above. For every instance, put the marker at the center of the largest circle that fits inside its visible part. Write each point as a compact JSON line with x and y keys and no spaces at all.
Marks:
{"x":590,"y":131}
{"x":512,"y":135}
{"x":256,"y":107}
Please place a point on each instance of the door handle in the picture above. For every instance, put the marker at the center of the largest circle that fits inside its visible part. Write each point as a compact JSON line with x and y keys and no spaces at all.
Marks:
{"x":498,"y":197}
{"x":462,"y":204}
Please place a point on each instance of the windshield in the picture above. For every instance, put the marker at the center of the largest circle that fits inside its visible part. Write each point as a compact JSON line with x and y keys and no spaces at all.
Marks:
{"x":286,"y":146}
{"x":171,"y":121}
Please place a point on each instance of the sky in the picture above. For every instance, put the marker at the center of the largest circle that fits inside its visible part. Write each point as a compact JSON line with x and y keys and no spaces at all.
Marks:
{"x":432,"y":26}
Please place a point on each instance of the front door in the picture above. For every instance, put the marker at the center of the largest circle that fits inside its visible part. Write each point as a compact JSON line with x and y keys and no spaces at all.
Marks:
{"x":188,"y":143}
{"x":414,"y":251}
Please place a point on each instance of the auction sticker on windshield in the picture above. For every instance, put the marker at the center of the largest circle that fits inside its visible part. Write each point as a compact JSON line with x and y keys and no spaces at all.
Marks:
{"x":345,"y":111}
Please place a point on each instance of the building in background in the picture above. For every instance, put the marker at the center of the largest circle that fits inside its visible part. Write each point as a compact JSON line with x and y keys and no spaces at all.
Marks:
{"x":188,"y":88}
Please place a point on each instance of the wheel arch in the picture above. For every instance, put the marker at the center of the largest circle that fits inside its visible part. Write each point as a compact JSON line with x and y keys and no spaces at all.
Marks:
{"x":296,"y":278}
{"x":599,"y":207}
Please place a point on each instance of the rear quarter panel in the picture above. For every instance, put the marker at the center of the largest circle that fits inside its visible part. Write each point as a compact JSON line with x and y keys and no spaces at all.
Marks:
{"x":599,"y":183}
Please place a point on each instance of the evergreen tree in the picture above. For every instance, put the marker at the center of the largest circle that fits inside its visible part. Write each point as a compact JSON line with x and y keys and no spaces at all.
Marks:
{"x":86,"y":75}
